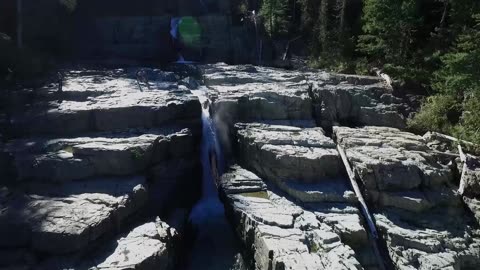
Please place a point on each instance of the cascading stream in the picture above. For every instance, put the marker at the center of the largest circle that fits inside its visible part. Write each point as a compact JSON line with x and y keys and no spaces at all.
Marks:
{"x":215,"y":246}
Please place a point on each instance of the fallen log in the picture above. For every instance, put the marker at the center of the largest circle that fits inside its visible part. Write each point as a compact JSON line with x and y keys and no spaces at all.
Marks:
{"x":363,"y":207}
{"x":463,"y":158}
{"x":448,"y":138}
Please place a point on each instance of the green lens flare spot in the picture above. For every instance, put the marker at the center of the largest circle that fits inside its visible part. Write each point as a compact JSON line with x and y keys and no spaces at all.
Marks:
{"x":190,"y":31}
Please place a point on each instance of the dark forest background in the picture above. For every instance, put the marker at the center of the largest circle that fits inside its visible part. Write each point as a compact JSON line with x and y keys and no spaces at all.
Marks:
{"x":429,"y":47}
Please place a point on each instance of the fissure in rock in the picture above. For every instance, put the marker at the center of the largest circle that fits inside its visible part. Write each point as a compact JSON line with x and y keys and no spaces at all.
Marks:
{"x":214,"y":245}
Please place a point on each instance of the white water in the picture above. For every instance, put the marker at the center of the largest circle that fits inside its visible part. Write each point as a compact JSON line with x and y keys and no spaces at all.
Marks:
{"x":209,"y":147}
{"x":215,"y":245}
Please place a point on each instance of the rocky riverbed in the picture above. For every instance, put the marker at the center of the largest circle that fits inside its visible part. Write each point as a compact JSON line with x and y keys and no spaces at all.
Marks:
{"x":105,"y":174}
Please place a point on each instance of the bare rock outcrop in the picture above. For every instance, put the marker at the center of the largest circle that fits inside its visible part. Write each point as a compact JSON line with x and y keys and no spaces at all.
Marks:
{"x":357,"y":100}
{"x":248,"y":93}
{"x":59,"y":219}
{"x":281,"y":234}
{"x":87,"y":162}
{"x":417,"y":208}
{"x":308,"y":191}
{"x":288,"y":153}
{"x":107,"y":154}
{"x":100,"y":101}
{"x":470,"y":184}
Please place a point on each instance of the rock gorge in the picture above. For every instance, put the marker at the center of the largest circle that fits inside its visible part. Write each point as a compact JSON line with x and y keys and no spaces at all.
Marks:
{"x":104,"y":175}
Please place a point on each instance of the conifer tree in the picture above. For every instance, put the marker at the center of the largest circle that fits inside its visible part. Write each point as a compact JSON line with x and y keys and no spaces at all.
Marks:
{"x":389,"y":27}
{"x":275,"y":16}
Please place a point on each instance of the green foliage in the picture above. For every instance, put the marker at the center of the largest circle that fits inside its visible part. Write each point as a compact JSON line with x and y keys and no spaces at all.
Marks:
{"x":275,"y":17}
{"x":389,"y":28}
{"x":469,"y":128}
{"x":460,"y":72}
{"x":458,"y":85}
{"x":137,"y":153}
{"x":434,"y":113}
{"x":70,"y":5}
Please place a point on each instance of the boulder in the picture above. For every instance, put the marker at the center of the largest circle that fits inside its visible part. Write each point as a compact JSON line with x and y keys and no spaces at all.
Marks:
{"x":334,"y":190}
{"x":261,"y":101}
{"x":59,"y":219}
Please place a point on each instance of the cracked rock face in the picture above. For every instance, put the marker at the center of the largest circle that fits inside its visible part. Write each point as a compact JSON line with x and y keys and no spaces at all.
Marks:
{"x":280,"y":234}
{"x":248,"y":93}
{"x":470,"y":185}
{"x":389,"y":160}
{"x":145,"y":247}
{"x":106,"y":102}
{"x":64,"y":159}
{"x":417,"y":209}
{"x":281,"y":153}
{"x":360,"y":104}
{"x":61,"y":219}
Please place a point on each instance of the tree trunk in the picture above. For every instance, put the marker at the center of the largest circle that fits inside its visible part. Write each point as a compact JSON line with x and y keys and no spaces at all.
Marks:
{"x":343,"y":11}
{"x":323,"y":24}
{"x":271,"y":19}
{"x":19,"y":24}
{"x":444,"y":15}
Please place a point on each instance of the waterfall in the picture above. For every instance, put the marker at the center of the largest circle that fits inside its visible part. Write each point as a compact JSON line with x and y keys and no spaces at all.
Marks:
{"x":210,"y":150}
{"x":215,"y":245}
{"x":258,"y":43}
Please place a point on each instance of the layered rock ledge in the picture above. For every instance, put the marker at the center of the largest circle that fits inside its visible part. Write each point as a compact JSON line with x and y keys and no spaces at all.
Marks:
{"x":248,"y":93}
{"x":107,"y":101}
{"x":308,"y":198}
{"x":280,"y":234}
{"x":88,"y":162}
{"x":60,"y":219}
{"x":417,"y":208}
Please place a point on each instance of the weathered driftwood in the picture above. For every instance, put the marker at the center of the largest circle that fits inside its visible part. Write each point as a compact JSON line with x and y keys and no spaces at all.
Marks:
{"x":363,"y":207}
{"x":461,"y":154}
{"x":463,"y":158}
{"x":384,"y":76}
{"x":449,"y":138}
